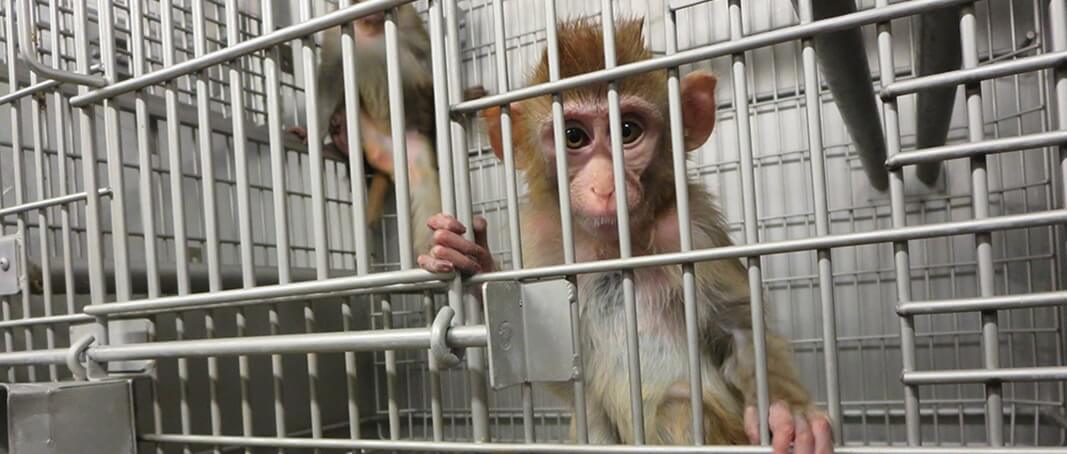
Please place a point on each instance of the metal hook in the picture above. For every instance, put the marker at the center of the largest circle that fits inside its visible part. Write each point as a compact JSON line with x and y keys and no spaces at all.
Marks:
{"x":74,"y":354}
{"x":438,"y":333}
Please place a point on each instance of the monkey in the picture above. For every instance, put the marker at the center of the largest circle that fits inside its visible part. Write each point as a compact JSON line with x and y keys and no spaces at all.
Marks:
{"x":415,"y":72}
{"x":728,"y":366}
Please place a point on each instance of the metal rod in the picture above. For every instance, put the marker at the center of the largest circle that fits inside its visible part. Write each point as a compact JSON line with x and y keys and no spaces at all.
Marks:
{"x":986,"y":376}
{"x":984,"y":246}
{"x":898,"y":235}
{"x":51,"y":202}
{"x":1057,"y":12}
{"x":177,"y":206}
{"x":204,"y":61}
{"x":43,"y":86}
{"x":711,"y":51}
{"x":901,"y":260}
{"x":813,"y":105}
{"x":357,"y":182}
{"x":622,"y":214}
{"x":1006,"y":302}
{"x":42,"y":69}
{"x":975,"y":149}
{"x":566,"y":217}
{"x":63,"y":126}
{"x":685,"y":231}
{"x":120,"y":256}
{"x":472,"y":309}
{"x":751,"y":224}
{"x":71,"y":319}
{"x":975,"y":74}
{"x":423,"y":446}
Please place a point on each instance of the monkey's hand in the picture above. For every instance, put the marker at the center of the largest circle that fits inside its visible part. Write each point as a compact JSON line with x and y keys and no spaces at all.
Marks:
{"x":451,"y":251}
{"x":300,"y":132}
{"x":808,"y":431}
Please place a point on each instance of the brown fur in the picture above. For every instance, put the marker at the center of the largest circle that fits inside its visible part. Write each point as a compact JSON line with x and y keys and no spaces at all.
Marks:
{"x":724,"y":313}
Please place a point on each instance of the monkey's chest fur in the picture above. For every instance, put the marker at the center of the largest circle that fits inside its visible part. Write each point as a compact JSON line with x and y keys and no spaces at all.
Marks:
{"x":662,"y":349}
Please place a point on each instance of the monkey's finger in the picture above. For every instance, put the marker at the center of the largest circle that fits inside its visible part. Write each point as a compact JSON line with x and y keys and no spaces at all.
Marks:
{"x":781,"y":425}
{"x":804,"y":441}
{"x":463,"y":245}
{"x":434,"y":265}
{"x":480,"y":227}
{"x":824,"y":435}
{"x":441,"y":221}
{"x":752,"y":425}
{"x":456,"y":258}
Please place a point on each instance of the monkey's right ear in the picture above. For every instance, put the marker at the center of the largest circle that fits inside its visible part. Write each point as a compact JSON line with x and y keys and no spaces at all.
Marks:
{"x":492,"y":117}
{"x":492,"y":128}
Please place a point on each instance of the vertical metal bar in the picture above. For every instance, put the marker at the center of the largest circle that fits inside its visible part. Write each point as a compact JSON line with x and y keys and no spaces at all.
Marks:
{"x":61,"y":121}
{"x":144,"y":158}
{"x":566,"y":217}
{"x":403,"y":200}
{"x":281,"y":217}
{"x":1058,"y":30}
{"x":984,"y":253}
{"x":443,"y":142}
{"x":900,"y":249}
{"x":607,"y":17}
{"x":318,"y":210}
{"x":21,"y":227}
{"x":681,"y":190}
{"x":748,"y":195}
{"x":207,"y":183}
{"x":471,"y":311}
{"x":357,"y":181}
{"x":511,"y":187}
{"x":822,"y":222}
{"x":87,"y":126}
{"x":244,"y":211}
{"x":120,"y":256}
{"x":177,"y":205}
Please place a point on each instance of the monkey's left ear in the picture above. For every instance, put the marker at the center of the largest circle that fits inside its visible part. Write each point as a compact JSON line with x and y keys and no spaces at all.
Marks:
{"x":698,"y":108}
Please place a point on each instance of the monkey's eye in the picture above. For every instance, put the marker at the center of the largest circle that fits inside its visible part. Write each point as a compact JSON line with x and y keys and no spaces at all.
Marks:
{"x":631,"y":131}
{"x":576,"y":138}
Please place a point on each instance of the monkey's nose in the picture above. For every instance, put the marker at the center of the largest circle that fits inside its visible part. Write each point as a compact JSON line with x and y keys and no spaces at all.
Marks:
{"x":603,"y":193}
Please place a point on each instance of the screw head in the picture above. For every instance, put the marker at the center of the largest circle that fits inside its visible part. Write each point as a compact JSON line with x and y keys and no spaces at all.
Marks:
{"x":4,"y":264}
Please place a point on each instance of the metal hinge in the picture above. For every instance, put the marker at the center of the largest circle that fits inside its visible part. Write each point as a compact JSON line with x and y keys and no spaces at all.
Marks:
{"x":10,"y":270}
{"x":530,"y":337}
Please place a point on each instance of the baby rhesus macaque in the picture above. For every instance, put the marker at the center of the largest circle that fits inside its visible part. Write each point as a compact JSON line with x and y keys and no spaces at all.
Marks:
{"x":724,"y":317}
{"x":372,"y":75}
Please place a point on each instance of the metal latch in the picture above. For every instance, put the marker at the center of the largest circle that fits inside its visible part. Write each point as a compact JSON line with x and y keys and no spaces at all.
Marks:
{"x":530,"y":337}
{"x":9,"y":265}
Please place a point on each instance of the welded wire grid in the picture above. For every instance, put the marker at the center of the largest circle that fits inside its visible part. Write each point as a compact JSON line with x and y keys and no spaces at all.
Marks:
{"x":205,"y":397}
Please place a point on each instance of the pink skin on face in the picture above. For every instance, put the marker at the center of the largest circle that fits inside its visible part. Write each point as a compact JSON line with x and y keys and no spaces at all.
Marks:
{"x":589,"y":163}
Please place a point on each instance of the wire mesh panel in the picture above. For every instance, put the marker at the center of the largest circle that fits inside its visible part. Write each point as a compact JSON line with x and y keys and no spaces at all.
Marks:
{"x":161,"y":206}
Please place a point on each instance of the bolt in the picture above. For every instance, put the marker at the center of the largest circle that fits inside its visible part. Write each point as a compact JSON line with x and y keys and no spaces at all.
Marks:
{"x":4,"y":264}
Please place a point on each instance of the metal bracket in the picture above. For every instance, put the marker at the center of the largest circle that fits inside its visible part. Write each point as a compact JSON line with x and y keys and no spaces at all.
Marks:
{"x":530,"y":337}
{"x":10,"y":271}
{"x":85,"y":417}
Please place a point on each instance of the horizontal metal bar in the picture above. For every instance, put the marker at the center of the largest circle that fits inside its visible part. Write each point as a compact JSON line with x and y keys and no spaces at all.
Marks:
{"x":966,"y":376}
{"x":977,"y":74}
{"x":350,"y":341}
{"x":975,"y":149}
{"x":71,"y":319}
{"x":339,"y":284}
{"x":27,"y":50}
{"x":47,"y":203}
{"x":749,"y":42}
{"x":398,"y":289}
{"x":298,"y":31}
{"x":1041,"y":218}
{"x":34,"y":357}
{"x":983,"y":304}
{"x":551,"y":448}
{"x":678,"y":5}
{"x":38,"y":87}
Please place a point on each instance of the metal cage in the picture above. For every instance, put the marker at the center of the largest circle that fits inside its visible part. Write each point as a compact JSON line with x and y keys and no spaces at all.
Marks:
{"x":151,"y":200}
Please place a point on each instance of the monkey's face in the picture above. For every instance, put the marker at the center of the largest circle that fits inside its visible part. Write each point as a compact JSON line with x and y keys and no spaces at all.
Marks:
{"x":590,"y":170}
{"x":372,"y":26}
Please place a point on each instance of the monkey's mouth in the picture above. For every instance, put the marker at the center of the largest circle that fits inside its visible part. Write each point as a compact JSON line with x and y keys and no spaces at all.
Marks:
{"x":601,"y":224}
